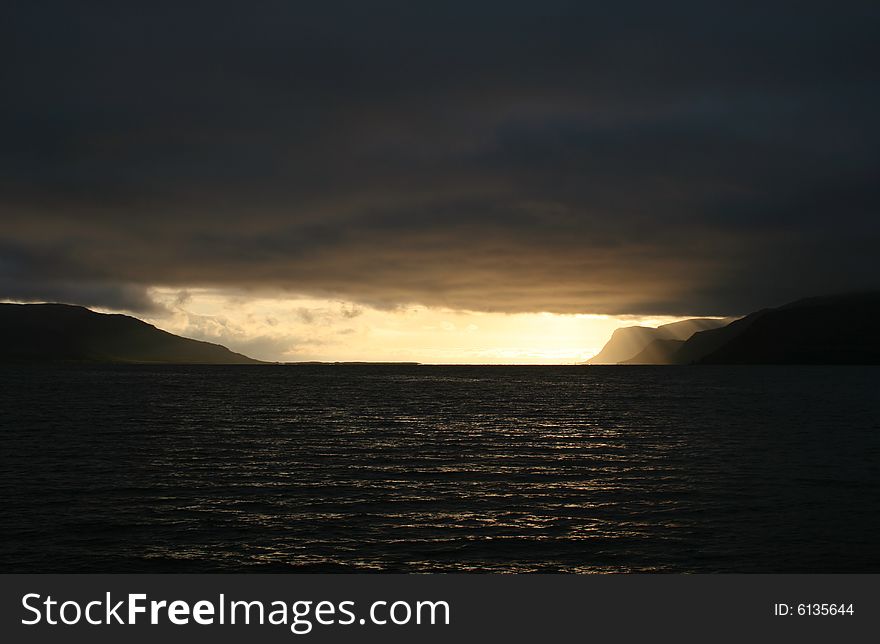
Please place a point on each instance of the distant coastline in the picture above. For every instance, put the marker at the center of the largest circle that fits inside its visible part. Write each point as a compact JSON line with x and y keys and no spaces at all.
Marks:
{"x":837,"y":329}
{"x":339,"y":363}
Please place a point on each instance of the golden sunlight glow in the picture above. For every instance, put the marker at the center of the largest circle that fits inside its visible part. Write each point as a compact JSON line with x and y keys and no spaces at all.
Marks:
{"x":302,"y":329}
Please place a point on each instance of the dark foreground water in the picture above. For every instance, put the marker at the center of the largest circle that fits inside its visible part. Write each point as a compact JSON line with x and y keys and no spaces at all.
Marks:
{"x":332,"y":468}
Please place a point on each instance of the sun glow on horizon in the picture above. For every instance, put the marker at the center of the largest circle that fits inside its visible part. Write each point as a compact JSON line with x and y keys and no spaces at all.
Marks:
{"x":298,"y":328}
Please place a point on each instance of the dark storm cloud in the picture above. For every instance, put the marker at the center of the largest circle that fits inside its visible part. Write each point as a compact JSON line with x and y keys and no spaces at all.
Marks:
{"x":512,"y":156}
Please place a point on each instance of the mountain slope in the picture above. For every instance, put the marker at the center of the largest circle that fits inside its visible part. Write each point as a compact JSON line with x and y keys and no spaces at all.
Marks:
{"x":628,"y":342}
{"x":60,"y":332}
{"x":625,"y":343}
{"x":838,"y":329}
{"x":658,"y":352}
{"x":701,"y":344}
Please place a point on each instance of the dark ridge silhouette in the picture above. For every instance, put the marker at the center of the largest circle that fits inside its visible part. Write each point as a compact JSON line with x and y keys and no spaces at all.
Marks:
{"x":840,"y":329}
{"x":627,"y":343}
{"x":61,"y":332}
{"x":834,"y":329}
{"x":701,"y":344}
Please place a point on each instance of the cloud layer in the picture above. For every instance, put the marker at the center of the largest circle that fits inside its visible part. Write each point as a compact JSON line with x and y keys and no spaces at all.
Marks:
{"x":650,"y":158}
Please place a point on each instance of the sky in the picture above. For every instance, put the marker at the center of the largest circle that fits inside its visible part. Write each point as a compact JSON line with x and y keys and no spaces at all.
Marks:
{"x":304,"y":329}
{"x":476,"y":181}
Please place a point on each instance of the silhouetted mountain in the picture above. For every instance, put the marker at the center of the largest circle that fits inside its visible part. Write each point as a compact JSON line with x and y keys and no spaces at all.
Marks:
{"x":701,"y":344}
{"x":658,"y":352}
{"x":628,"y":342}
{"x":60,"y":332}
{"x":838,"y":329}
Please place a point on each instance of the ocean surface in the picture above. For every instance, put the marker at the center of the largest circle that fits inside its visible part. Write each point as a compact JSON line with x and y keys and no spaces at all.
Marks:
{"x":326,"y":468}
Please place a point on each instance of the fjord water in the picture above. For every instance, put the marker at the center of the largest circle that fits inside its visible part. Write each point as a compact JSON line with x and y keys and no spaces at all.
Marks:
{"x":423,"y":468}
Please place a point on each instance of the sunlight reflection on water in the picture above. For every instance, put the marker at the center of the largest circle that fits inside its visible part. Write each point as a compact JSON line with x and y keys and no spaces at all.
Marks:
{"x":439,"y":468}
